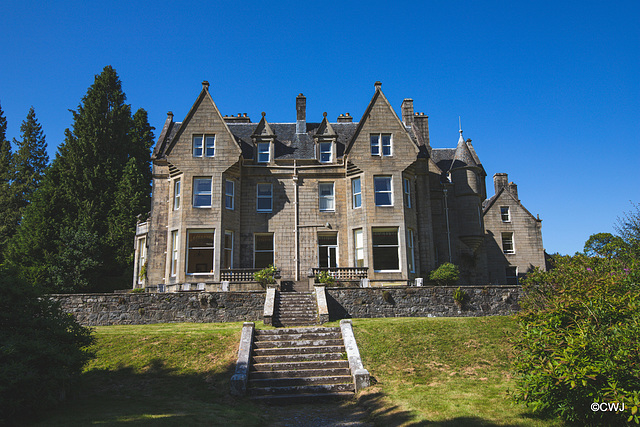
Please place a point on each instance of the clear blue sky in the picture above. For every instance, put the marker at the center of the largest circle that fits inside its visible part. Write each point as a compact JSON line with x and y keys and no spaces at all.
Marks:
{"x":549,"y":91}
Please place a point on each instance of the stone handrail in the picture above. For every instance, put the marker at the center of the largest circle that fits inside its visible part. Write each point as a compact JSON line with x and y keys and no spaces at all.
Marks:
{"x":323,"y":308}
{"x":239,"y":379}
{"x":269,"y":306}
{"x":359,"y":374}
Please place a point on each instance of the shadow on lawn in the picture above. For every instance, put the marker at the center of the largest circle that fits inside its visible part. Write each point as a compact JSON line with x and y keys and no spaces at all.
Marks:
{"x":153,"y":396}
{"x":382,"y":414}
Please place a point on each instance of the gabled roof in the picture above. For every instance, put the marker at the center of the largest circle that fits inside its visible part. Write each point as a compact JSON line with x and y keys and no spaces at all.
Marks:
{"x":325,"y":129}
{"x":488,"y":204}
{"x":378,"y":93}
{"x":204,"y":95}
{"x":263,"y":129}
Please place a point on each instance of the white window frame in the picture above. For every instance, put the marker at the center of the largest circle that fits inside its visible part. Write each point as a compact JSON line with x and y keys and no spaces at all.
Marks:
{"x":262,"y":152}
{"x":199,"y":248}
{"x":381,"y":145}
{"x":376,"y":192}
{"x":330,"y":199}
{"x":358,"y":246}
{"x":411,"y":251}
{"x":508,"y":214}
{"x":203,"y":145}
{"x":273,"y":250}
{"x":142,"y":257}
{"x":175,"y":246}
{"x":269,"y":197}
{"x":329,"y":247}
{"x":227,"y":251}
{"x":356,"y":196}
{"x":397,"y":246}
{"x":177,"y":185}
{"x":406,"y":185}
{"x":197,"y":192}
{"x":322,"y":151}
{"x":507,"y":237}
{"x":229,"y":198}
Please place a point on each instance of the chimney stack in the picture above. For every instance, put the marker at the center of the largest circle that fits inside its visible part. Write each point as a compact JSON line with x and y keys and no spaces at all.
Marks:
{"x":513,"y":189}
{"x":345,"y":118}
{"x":407,"y":111}
{"x":421,"y":122}
{"x":301,"y":114}
{"x":500,"y":181}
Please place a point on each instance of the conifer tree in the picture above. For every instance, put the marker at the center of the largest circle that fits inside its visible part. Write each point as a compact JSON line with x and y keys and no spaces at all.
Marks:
{"x":6,"y":199}
{"x":28,"y":164}
{"x":79,"y":210}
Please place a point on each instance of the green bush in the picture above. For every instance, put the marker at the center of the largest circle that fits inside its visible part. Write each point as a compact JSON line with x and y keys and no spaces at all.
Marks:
{"x":42,"y":350}
{"x":458,"y":296}
{"x":266,"y":276}
{"x":446,"y":274}
{"x":325,"y":278}
{"x":579,"y":340}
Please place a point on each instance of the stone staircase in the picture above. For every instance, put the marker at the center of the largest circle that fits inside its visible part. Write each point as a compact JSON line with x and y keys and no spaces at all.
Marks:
{"x":295,"y":309}
{"x":297,"y":365}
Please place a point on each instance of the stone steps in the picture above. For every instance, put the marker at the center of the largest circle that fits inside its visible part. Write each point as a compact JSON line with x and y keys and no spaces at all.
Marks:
{"x":297,"y":365}
{"x":295,"y":309}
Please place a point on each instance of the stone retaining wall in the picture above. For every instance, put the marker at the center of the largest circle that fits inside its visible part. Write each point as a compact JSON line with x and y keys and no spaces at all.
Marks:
{"x":204,"y":307}
{"x":140,"y":309}
{"x":421,"y":301}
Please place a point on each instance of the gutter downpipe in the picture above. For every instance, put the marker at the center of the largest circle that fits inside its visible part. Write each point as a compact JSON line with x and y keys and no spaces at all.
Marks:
{"x":295,"y":214}
{"x":446,"y":212}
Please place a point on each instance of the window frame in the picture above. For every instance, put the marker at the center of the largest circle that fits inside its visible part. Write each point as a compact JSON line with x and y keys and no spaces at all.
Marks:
{"x":228,"y":196}
{"x":411,"y":259}
{"x":197,"y":192}
{"x":321,"y":152}
{"x":374,"y":246}
{"x":177,"y":194}
{"x":390,"y":191}
{"x":333,"y":234}
{"x":508,"y":237}
{"x":201,"y":248}
{"x":142,"y":257}
{"x":272,"y":250}
{"x":358,"y":252}
{"x":514,"y":278}
{"x":175,"y":250}
{"x":508,"y":214}
{"x":201,"y":144}
{"x":259,"y":152}
{"x":330,"y":199}
{"x":356,"y":197}
{"x":379,"y":147}
{"x":258,"y":197}
{"x":406,"y":187}
{"x":227,"y":251}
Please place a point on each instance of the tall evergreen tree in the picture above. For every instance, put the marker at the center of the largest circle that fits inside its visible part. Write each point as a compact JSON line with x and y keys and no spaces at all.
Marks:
{"x":6,"y":199}
{"x":29,"y":161}
{"x":74,"y":214}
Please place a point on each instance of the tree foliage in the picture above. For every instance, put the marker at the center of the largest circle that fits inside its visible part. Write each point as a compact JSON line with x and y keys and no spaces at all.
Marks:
{"x":91,"y":195}
{"x":580,"y":333}
{"x":446,"y":274}
{"x":42,"y":350}
{"x":6,"y":199}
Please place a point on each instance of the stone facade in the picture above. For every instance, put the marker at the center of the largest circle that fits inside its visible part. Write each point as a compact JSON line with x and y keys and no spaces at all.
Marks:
{"x":370,"y":199}
{"x":514,"y":236}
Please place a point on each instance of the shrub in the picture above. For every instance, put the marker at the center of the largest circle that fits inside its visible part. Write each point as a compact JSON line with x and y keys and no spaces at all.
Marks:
{"x":266,"y":276}
{"x":42,"y":350}
{"x":458,"y":296}
{"x":579,"y":340}
{"x":446,"y":274}
{"x":325,"y":278}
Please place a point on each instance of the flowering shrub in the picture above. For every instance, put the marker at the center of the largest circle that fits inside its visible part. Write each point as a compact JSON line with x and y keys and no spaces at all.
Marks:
{"x":579,"y":340}
{"x":266,"y":276}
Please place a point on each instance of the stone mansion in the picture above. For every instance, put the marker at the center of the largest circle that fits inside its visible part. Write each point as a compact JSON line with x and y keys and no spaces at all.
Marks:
{"x":363,"y":200}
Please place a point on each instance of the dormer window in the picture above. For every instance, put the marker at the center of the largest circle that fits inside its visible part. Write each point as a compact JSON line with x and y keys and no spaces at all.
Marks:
{"x":326,"y":152}
{"x":264,"y":152}
{"x":204,"y":145}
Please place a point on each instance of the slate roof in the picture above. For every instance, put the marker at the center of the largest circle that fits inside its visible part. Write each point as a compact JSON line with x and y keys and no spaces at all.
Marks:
{"x":443,"y":157}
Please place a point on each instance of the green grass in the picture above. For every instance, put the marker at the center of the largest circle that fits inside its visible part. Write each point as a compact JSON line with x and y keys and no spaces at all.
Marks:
{"x":426,"y":371}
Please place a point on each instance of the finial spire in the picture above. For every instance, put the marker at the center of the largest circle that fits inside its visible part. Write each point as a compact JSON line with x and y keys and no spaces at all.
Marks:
{"x":461,"y":139}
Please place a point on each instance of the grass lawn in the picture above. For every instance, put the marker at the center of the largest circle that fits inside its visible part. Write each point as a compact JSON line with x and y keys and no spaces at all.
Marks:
{"x":426,"y":372}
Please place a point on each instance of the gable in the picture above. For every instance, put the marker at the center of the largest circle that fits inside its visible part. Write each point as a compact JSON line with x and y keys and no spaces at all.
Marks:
{"x":505,"y":198}
{"x":380,"y":118}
